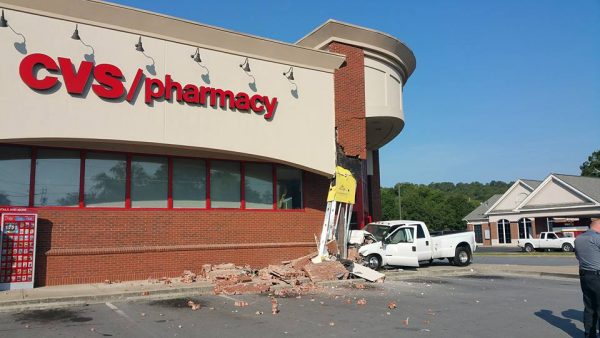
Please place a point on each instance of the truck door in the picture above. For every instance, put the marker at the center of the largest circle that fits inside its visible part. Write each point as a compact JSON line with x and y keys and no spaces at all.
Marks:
{"x":552,"y":241}
{"x":423,"y":244}
{"x":400,"y":247}
{"x":544,"y":241}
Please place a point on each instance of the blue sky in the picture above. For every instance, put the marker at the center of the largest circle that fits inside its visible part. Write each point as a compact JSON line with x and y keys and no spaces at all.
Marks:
{"x":503,"y":89}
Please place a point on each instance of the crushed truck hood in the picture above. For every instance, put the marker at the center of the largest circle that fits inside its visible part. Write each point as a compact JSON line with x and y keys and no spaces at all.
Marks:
{"x":367,"y":248}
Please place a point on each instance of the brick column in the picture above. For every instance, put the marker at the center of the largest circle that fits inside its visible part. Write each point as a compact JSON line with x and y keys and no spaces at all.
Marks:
{"x":349,"y":84}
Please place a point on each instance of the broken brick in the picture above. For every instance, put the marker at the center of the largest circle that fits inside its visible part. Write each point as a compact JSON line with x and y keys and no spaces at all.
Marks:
{"x":324,"y":271}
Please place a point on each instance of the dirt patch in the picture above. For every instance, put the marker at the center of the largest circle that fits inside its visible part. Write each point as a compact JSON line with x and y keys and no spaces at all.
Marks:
{"x":49,"y":316}
{"x":360,"y":286}
{"x":488,"y":277}
{"x":426,"y":281}
{"x":177,"y":303}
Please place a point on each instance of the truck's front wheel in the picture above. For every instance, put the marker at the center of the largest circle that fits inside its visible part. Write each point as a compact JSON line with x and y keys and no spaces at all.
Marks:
{"x":373,"y":261}
{"x":462,"y":256}
{"x":567,"y":247}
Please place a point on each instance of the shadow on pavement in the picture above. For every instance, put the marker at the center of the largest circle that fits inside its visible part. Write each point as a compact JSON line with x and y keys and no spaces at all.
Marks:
{"x":565,"y":324}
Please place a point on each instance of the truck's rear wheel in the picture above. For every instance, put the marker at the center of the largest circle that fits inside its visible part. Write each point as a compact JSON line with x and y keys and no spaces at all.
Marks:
{"x":567,"y":247}
{"x":462,"y":256}
{"x":529,"y":248}
{"x":373,"y":261}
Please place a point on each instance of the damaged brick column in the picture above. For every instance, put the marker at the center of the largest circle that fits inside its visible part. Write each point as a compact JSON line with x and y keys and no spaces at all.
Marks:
{"x":350,"y":111}
{"x":350,"y":121}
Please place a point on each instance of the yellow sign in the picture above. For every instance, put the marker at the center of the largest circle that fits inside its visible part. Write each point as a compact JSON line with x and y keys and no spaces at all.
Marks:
{"x":343,"y":190}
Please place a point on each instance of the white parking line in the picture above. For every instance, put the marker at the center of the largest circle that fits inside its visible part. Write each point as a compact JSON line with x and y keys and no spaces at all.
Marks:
{"x":124,"y":315}
{"x":230,"y":298}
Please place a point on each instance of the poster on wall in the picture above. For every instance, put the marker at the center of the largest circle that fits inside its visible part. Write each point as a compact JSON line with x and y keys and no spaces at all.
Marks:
{"x":17,"y":250}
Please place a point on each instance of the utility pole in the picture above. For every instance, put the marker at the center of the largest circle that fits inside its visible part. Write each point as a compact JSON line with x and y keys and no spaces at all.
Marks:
{"x":399,"y":202}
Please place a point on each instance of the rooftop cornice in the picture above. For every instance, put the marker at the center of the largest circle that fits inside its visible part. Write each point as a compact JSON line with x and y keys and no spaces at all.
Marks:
{"x":135,"y":21}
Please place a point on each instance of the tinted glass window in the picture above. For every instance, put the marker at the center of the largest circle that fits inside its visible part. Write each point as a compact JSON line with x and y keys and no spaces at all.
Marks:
{"x":105,"y":180}
{"x":15,"y":164}
{"x":57,"y":178}
{"x":420,"y":232}
{"x":289,"y":188}
{"x":149,"y":182}
{"x":551,"y":236}
{"x":225,"y":182}
{"x":258,"y":185}
{"x":189,"y":183}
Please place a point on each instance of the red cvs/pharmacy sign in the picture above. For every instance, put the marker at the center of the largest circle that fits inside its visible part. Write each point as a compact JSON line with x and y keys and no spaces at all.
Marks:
{"x":107,"y":82}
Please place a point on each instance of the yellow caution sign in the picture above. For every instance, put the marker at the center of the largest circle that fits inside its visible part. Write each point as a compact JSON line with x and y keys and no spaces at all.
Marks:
{"x":343,"y":189}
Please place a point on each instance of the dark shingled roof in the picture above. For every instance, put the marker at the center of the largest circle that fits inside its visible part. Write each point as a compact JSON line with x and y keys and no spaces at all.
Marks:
{"x":590,"y":186}
{"x":532,"y":183}
{"x":478,"y":213}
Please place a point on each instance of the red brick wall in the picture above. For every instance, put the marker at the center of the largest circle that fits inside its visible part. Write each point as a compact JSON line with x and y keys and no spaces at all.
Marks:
{"x":376,"y":188}
{"x":350,"y":100}
{"x":514,"y":232}
{"x":494,"y":231}
{"x":90,"y":245}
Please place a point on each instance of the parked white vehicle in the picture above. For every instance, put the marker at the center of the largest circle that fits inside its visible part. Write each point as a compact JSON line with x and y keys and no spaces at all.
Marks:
{"x":406,"y":243}
{"x":547,"y":240}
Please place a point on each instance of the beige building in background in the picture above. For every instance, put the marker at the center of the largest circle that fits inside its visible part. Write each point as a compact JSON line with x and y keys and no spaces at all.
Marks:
{"x":561,"y":203}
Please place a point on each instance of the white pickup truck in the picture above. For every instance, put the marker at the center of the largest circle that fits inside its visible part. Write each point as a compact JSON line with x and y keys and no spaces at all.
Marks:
{"x":406,"y":243}
{"x":547,"y":240}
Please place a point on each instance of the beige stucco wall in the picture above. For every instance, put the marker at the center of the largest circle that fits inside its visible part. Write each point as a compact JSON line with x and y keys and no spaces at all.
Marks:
{"x":301,"y":132}
{"x":554,"y":193}
{"x":383,"y":89}
{"x":514,"y":198}
{"x":383,"y":101}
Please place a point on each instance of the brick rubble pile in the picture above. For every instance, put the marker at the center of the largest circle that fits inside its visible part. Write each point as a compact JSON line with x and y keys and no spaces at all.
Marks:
{"x":298,"y":276}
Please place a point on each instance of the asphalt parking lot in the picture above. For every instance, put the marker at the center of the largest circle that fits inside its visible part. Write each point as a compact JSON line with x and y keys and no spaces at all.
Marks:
{"x":537,"y":260}
{"x":465,"y":306}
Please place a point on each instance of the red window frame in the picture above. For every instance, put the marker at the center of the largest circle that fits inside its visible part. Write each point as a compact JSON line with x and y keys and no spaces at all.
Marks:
{"x":83,"y":156}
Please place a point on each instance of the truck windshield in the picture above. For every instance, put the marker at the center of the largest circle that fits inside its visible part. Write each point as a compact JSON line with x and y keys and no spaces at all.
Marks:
{"x":379,"y":231}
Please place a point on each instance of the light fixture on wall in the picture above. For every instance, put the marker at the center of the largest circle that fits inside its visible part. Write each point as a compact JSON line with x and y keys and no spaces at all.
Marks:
{"x":138,"y":46}
{"x":3,"y":21}
{"x":246,"y":66}
{"x":75,"y":35}
{"x":196,"y":56}
{"x":289,"y":74}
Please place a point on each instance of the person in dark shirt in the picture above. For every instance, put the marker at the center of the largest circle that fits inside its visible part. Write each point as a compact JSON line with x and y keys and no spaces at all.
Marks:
{"x":587,"y":250}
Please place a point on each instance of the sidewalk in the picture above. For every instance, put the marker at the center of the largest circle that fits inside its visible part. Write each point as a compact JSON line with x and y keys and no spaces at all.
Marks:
{"x":81,"y":294}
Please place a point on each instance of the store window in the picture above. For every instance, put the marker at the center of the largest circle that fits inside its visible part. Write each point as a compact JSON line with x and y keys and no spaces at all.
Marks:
{"x":189,"y":183}
{"x":289,"y":188}
{"x":105,"y":180}
{"x":525,"y":228}
{"x":504,"y":235}
{"x":149,"y":182}
{"x":225,"y":184}
{"x":258,"y":185}
{"x":15,"y":164}
{"x":57,"y":178}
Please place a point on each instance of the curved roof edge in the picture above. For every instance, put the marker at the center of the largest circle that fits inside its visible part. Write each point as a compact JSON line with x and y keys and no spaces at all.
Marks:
{"x":140,"y":22}
{"x":333,"y":30}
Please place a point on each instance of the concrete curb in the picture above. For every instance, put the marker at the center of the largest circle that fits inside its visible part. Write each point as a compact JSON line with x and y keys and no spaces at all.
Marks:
{"x":53,"y":302}
{"x":59,"y":302}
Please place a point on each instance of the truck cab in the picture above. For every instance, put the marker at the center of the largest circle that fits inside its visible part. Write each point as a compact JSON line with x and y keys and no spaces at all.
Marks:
{"x":547,"y":241}
{"x":407,"y":243}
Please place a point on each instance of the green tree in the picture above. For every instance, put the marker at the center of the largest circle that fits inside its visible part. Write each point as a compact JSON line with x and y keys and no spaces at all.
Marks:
{"x":591,"y":167}
{"x":440,"y":205}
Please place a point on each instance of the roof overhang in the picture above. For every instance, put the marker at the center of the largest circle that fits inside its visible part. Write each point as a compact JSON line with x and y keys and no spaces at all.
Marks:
{"x":373,"y":41}
{"x":145,"y":23}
